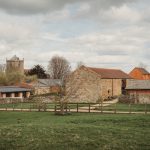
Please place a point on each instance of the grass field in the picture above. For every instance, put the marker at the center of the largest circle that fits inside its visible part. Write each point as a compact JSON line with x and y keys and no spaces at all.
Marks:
{"x":126,"y":107}
{"x":79,"y":131}
{"x":31,"y":105}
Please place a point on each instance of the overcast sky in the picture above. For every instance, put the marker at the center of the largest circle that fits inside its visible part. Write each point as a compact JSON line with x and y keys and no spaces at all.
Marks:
{"x":100,"y":33}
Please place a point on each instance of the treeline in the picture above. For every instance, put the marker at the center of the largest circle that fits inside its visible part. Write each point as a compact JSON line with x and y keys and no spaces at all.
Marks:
{"x":14,"y":78}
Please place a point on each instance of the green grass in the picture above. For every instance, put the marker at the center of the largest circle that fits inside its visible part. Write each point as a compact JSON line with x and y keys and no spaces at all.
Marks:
{"x":133,"y":107}
{"x":17,"y":105}
{"x":32,"y":105}
{"x":79,"y":131}
{"x":125,"y":107}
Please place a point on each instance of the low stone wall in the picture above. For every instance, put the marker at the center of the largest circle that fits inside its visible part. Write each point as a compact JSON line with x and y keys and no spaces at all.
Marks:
{"x":138,"y":99}
{"x":144,"y":99}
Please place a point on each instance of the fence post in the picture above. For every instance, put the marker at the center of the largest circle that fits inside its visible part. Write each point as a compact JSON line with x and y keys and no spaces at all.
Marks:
{"x":145,"y":108}
{"x":21,"y":106}
{"x":130,"y":108}
{"x":55,"y":108}
{"x":89,"y":107}
{"x":13,"y":106}
{"x":30,"y":107}
{"x":77,"y":107}
{"x":66,"y":108}
{"x":6,"y":106}
{"x":115,"y":108}
{"x":69,"y":108}
{"x":101,"y":107}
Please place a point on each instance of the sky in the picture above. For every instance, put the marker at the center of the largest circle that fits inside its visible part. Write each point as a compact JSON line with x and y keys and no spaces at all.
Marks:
{"x":99,"y":33}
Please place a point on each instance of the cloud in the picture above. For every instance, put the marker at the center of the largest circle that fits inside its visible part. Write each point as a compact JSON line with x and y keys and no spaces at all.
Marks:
{"x":101,"y":33}
{"x":42,"y":6}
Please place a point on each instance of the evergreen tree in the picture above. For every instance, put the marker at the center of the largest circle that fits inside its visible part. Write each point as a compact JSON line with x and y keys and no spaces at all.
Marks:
{"x":39,"y":71}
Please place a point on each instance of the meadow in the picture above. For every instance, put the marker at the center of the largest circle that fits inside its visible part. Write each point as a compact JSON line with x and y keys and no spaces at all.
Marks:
{"x":78,"y":131}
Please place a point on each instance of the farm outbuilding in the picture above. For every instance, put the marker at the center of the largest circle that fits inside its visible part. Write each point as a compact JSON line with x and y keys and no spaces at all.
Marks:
{"x":14,"y":92}
{"x":47,"y":86}
{"x":140,"y":89}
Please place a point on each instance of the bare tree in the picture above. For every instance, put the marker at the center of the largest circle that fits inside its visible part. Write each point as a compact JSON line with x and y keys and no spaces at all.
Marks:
{"x":142,"y":65}
{"x":79,"y":64}
{"x":59,"y":68}
{"x":67,"y":93}
{"x":2,"y":67}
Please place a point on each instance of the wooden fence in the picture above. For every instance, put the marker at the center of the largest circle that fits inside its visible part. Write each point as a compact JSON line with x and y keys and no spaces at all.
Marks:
{"x":104,"y":107}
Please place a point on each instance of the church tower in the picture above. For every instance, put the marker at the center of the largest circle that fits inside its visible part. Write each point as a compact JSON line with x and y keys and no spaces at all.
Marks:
{"x":15,"y":65}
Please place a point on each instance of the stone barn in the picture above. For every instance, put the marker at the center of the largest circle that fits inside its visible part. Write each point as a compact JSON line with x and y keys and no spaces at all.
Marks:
{"x":91,"y":84}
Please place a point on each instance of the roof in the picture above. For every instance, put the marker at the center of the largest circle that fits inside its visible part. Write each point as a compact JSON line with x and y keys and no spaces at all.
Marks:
{"x":110,"y":73}
{"x":48,"y":82}
{"x":24,"y":85}
{"x":142,"y":70}
{"x":138,"y":85}
{"x":10,"y":89}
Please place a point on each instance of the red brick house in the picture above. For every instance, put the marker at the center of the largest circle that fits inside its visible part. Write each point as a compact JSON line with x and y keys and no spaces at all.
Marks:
{"x":140,"y":74}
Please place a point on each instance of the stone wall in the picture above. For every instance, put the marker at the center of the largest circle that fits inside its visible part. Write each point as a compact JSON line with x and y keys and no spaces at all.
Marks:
{"x":46,"y":90}
{"x":110,"y":87}
{"x":117,"y":87}
{"x":41,"y":90}
{"x":13,"y":66}
{"x":142,"y":99}
{"x":85,"y":86}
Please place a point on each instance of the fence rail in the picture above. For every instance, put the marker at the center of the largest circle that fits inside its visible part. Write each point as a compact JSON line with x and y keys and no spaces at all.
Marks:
{"x":104,"y":107}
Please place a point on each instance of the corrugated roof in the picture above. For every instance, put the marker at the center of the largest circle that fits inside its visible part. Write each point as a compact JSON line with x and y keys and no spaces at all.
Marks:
{"x":138,"y":85}
{"x":9,"y":89}
{"x":110,"y":73}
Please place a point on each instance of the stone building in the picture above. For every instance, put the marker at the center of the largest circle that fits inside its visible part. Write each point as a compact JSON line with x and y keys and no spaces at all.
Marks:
{"x":94,"y":83}
{"x":15,"y":64}
{"x":47,"y":86}
{"x":140,"y":74}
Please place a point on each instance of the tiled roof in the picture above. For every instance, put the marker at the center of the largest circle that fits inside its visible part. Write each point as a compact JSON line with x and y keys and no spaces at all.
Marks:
{"x":24,"y":85}
{"x":138,"y":85}
{"x":9,"y":89}
{"x":110,"y":73}
{"x":142,"y":70}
